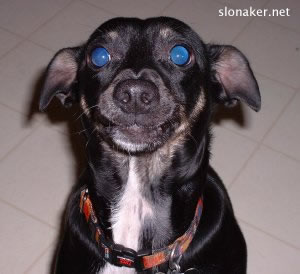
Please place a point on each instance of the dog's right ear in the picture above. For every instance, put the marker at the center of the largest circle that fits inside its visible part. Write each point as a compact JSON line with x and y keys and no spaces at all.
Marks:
{"x":60,"y":78}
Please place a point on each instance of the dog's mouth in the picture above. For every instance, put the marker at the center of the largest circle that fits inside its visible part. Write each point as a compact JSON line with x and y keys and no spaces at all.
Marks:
{"x":137,"y":115}
{"x":138,"y":138}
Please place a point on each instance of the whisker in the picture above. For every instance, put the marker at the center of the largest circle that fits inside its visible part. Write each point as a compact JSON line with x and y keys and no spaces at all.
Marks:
{"x":90,"y":137}
{"x":95,"y":106}
{"x":79,"y":132}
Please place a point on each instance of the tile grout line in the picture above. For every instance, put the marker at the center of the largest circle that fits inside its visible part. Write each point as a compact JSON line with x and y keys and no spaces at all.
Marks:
{"x":250,"y":21}
{"x":19,"y":143}
{"x":282,"y":153}
{"x":27,"y":37}
{"x":166,"y":7}
{"x":37,"y":259}
{"x":27,"y":214}
{"x":23,"y":114}
{"x":268,"y":234}
{"x":12,"y":109}
{"x":256,"y":148}
{"x":39,"y":45}
{"x":273,"y":79}
{"x":280,"y":25}
{"x":11,"y":32}
{"x":48,"y":20}
{"x":261,"y":143}
{"x":22,"y":39}
{"x":116,"y":14}
{"x":295,"y":92}
{"x":253,"y":18}
{"x":30,"y":36}
{"x":12,"y":49}
{"x":273,"y":125}
{"x":279,"y":116}
{"x":237,"y":132}
{"x":242,"y":30}
{"x":265,"y":18}
{"x":100,"y":8}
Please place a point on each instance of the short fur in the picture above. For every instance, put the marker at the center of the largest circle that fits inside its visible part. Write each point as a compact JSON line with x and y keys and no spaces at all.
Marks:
{"x":157,"y":150}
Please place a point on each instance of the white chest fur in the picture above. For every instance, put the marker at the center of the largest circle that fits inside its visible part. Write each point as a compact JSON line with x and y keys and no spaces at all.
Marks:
{"x":128,"y":217}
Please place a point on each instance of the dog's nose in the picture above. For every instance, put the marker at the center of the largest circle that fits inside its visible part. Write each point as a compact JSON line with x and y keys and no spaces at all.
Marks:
{"x":136,"y":96}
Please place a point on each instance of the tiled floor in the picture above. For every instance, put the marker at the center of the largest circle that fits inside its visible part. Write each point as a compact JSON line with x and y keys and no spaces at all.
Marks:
{"x":258,"y":155}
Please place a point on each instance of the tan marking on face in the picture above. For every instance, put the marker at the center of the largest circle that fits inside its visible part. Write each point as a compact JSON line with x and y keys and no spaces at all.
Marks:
{"x":85,"y":107}
{"x":184,"y":125}
{"x":168,"y":150}
{"x":199,"y":106}
{"x":165,"y":32}
{"x":113,"y":35}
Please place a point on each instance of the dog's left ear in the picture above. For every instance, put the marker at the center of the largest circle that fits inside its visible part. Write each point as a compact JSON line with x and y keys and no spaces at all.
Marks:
{"x":60,"y":78}
{"x":235,"y":78}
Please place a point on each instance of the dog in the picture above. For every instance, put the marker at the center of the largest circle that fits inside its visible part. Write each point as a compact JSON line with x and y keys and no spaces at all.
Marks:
{"x":148,"y":201}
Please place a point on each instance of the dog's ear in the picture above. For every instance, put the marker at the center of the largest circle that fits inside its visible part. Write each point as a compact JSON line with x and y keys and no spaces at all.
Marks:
{"x":60,"y":78}
{"x":235,"y":78}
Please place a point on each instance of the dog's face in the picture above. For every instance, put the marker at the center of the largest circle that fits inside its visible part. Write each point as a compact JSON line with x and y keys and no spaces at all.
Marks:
{"x":141,"y":83}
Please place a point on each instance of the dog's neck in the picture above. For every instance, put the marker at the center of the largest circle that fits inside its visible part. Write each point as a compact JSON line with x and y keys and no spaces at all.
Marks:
{"x":147,"y":201}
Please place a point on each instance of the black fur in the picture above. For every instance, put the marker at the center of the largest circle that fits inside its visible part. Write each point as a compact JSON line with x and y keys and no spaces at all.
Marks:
{"x":185,"y":96}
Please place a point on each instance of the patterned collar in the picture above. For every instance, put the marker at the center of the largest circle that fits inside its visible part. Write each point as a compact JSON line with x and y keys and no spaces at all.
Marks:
{"x":119,"y":255}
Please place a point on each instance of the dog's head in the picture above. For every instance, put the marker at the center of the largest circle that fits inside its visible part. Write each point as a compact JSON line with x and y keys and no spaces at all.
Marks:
{"x":142,"y":82}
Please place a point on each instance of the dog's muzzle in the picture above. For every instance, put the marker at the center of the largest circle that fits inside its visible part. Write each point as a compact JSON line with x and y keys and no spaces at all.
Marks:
{"x":136,"y":96}
{"x":139,"y":111}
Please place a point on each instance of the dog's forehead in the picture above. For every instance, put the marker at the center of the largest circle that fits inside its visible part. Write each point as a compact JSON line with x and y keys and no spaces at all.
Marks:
{"x":126,"y":28}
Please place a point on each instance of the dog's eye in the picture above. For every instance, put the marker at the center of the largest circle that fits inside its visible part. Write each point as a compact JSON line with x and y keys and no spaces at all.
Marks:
{"x":100,"y":57}
{"x":179,"y":55}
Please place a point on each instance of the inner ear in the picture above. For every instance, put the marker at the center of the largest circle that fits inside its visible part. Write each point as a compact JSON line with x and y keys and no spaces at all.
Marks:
{"x":235,"y":77}
{"x":60,"y":78}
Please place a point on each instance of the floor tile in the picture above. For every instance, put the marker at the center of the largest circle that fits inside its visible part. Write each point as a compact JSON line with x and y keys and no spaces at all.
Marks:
{"x":20,"y":74}
{"x":227,"y":160}
{"x":268,"y":255}
{"x":255,"y":125}
{"x":244,"y":4}
{"x":8,"y":41}
{"x":266,"y":195}
{"x":273,"y":51}
{"x":13,"y":129}
{"x":22,"y":240}
{"x":24,"y":16}
{"x":285,"y":135}
{"x":133,"y":8}
{"x":45,"y":174}
{"x":203,"y":17}
{"x":79,"y":20}
{"x":291,"y":21}
{"x":43,"y":265}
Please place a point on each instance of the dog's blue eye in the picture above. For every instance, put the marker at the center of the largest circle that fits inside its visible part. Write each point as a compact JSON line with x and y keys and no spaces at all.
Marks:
{"x":180,"y":55}
{"x":100,"y":57}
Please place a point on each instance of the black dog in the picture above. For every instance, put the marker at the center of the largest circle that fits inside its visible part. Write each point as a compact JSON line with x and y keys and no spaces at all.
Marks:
{"x":147,"y":90}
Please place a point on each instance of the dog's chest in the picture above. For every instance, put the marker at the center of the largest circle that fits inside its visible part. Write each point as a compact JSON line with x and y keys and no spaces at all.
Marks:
{"x":128,"y":217}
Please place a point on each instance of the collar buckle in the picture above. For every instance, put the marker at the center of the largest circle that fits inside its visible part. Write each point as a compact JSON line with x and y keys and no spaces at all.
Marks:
{"x":123,"y":256}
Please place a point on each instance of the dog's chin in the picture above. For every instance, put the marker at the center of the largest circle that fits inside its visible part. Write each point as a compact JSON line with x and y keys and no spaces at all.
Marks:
{"x":138,"y":139}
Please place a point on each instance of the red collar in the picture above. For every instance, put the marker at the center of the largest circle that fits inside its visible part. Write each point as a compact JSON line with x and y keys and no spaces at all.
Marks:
{"x":144,"y":259}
